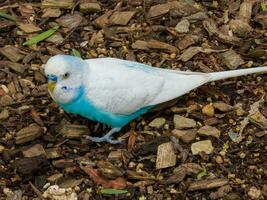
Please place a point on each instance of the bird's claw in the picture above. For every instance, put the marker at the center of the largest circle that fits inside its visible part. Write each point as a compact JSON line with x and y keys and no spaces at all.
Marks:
{"x":103,"y":139}
{"x":106,"y":138}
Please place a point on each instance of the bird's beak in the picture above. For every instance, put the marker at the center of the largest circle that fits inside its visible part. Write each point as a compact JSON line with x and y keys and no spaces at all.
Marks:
{"x":52,"y":80}
{"x":51,"y":85}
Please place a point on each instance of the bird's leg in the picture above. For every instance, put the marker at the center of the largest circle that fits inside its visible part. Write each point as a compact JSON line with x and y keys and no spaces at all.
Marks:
{"x":106,"y":138}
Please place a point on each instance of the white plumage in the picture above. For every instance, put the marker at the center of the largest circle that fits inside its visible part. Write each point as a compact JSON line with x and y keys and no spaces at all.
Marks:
{"x":123,"y":87}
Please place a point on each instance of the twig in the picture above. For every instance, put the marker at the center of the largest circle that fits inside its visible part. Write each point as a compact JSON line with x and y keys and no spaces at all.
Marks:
{"x":74,"y":6}
{"x":36,"y":191}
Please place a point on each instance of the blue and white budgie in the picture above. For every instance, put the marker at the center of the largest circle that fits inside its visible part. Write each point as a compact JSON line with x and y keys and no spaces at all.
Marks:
{"x":114,"y":91}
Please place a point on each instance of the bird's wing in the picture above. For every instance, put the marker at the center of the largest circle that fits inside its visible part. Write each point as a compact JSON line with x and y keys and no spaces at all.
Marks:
{"x":118,"y":88}
{"x":123,"y":87}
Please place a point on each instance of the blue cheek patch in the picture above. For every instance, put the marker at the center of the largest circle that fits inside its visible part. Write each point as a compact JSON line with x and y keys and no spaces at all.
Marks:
{"x":66,"y":89}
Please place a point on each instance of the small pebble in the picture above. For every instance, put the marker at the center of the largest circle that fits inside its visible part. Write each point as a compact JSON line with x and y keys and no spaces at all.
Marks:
{"x":242,"y":155}
{"x":254,"y":193}
{"x":219,"y":159}
{"x":2,"y":148}
{"x":208,"y":110}
{"x":173,"y":55}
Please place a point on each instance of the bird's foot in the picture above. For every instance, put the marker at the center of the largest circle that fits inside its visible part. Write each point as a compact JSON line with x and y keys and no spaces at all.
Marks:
{"x":106,"y":138}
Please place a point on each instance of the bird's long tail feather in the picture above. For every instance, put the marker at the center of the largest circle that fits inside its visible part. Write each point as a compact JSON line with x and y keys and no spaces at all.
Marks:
{"x":215,"y":76}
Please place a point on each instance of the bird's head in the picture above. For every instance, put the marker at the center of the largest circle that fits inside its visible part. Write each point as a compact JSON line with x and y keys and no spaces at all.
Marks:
{"x":65,"y":77}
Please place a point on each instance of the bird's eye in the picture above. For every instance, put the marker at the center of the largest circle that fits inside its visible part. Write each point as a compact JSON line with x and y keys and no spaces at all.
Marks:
{"x":66,"y":75}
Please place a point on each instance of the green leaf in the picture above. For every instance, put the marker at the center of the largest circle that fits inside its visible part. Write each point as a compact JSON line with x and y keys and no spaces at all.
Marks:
{"x":264,"y":6}
{"x":7,"y":16}
{"x":41,"y":36}
{"x":110,"y":191}
{"x":76,"y":53}
{"x":202,"y":173}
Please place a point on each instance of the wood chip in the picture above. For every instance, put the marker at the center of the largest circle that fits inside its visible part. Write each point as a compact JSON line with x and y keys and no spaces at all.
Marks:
{"x":182,"y":8}
{"x":29,"y":166}
{"x":73,"y":131}
{"x":67,"y":4}
{"x":240,"y":27}
{"x":63,"y":163}
{"x":4,"y":114}
{"x":55,"y":177}
{"x":245,"y":11}
{"x":103,"y":20}
{"x":221,"y":192}
{"x":197,"y":16}
{"x":17,"y":67}
{"x":121,"y":18}
{"x":29,"y":28}
{"x":212,"y":29}
{"x":29,"y":133}
{"x":223,"y":107}
{"x":6,"y":100}
{"x":70,"y":182}
{"x":87,"y":6}
{"x":56,"y":38}
{"x":35,"y":150}
{"x":207,"y":184}
{"x":157,"y":122}
{"x":115,"y":155}
{"x":261,"y":133}
{"x":190,"y":39}
{"x":182,"y":26}
{"x":181,"y":122}
{"x":51,"y":12}
{"x":108,"y":170}
{"x":70,"y":21}
{"x":177,"y":177}
{"x":165,"y":156}
{"x":259,"y":120}
{"x":142,"y":175}
{"x":158,"y":10}
{"x":5,"y":24}
{"x":209,"y":131}
{"x":12,"y":53}
{"x":260,"y":18}
{"x":186,"y":136}
{"x":202,"y":146}
{"x":52,"y":153}
{"x":189,"y":53}
{"x":231,"y":59}
{"x":154,"y":44}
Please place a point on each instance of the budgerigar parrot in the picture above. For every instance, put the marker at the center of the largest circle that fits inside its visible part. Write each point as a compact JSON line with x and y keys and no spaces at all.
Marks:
{"x":114,"y":91}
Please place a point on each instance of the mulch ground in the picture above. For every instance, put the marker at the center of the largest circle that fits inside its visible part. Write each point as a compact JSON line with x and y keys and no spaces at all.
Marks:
{"x":209,"y":144}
